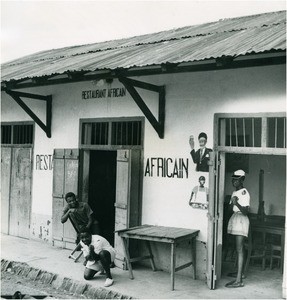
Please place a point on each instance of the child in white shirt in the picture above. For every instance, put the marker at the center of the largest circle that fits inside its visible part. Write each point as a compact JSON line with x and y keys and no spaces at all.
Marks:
{"x":99,"y":255}
{"x":238,"y":224}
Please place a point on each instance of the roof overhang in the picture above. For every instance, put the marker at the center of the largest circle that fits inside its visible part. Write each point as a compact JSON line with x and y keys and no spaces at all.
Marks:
{"x":221,"y":63}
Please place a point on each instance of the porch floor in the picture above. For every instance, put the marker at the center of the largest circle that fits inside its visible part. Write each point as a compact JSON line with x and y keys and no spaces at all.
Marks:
{"x":147,"y":284}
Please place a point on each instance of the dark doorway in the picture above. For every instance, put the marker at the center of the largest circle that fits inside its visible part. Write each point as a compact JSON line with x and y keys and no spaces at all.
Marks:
{"x":102,"y":190}
{"x":265,"y":182}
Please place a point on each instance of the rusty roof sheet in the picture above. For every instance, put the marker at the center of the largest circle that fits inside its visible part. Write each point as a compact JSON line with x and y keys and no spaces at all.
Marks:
{"x":229,"y":37}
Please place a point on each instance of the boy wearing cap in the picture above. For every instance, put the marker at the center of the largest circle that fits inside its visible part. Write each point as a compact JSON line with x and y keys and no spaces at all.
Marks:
{"x":201,"y":156}
{"x":238,"y":224}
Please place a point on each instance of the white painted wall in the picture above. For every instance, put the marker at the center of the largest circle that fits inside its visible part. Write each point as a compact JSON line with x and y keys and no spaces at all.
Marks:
{"x":191,"y":102}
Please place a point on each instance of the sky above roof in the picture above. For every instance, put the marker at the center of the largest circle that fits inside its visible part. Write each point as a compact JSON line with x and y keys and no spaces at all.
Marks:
{"x":31,"y":26}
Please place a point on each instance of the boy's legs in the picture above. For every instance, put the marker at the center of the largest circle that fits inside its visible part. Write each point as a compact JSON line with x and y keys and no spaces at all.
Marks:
{"x":240,"y":253}
{"x":89,"y":273}
{"x":239,"y":240}
{"x":105,"y":259}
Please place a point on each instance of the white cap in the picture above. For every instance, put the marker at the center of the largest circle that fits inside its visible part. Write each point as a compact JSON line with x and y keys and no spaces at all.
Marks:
{"x":238,"y":173}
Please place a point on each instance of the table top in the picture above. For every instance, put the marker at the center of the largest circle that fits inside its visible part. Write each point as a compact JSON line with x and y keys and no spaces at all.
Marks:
{"x":159,"y":233}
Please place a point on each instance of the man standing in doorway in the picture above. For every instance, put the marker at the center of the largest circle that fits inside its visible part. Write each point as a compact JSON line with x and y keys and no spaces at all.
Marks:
{"x":201,"y":156}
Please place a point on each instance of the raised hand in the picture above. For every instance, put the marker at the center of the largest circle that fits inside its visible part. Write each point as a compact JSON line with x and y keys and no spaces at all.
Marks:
{"x":191,"y":142}
{"x":234,"y":200}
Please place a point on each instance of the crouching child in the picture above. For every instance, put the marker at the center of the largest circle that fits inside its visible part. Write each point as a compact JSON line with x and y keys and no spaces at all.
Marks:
{"x":99,"y":255}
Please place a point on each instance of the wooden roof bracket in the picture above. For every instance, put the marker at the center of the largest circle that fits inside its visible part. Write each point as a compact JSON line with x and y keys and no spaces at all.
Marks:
{"x":16,"y":96}
{"x":157,"y":124}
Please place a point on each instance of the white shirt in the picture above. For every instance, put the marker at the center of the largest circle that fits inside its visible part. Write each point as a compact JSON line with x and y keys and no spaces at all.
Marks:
{"x":243,"y":198}
{"x":203,"y":151}
{"x":99,"y":243}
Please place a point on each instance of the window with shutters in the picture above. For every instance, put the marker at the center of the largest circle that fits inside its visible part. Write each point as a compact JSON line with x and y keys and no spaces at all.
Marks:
{"x":17,"y":133}
{"x":111,"y":133}
{"x":251,"y":132}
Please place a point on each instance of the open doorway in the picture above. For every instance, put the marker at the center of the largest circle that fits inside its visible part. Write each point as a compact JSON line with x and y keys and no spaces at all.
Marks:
{"x":265,"y":181}
{"x":102,"y":190}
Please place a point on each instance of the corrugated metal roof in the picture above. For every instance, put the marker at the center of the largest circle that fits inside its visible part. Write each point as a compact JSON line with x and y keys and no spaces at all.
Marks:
{"x":229,"y":37}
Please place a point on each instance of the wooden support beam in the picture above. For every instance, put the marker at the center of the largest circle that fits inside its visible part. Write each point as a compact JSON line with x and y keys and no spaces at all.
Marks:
{"x":224,"y":61}
{"x":15,"y":95}
{"x":143,"y":85}
{"x":49,"y":116}
{"x":183,"y":266}
{"x":130,"y":85}
{"x":28,"y":95}
{"x":161,"y":110}
{"x":140,"y":258}
{"x":76,"y":75}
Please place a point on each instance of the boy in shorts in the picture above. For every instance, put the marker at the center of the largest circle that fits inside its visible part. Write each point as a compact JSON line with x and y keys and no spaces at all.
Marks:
{"x":238,"y":224}
{"x":99,"y":255}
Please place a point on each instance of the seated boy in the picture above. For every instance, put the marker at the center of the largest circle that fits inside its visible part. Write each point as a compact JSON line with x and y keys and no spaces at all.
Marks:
{"x":99,"y":255}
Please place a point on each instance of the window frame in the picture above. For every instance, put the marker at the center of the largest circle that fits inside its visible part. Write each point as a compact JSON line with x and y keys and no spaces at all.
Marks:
{"x":110,"y":121}
{"x":19,"y":123}
{"x":219,"y":131}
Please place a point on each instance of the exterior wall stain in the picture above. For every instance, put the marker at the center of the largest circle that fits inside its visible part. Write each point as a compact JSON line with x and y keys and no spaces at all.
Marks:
{"x":41,"y":228}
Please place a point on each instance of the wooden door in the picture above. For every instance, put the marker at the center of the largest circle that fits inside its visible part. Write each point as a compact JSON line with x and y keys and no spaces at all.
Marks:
{"x":127,"y":206}
{"x":6,"y":154}
{"x":215,"y":218}
{"x":219,"y":208}
{"x":58,"y":195}
{"x":20,"y":192}
{"x":65,"y":179}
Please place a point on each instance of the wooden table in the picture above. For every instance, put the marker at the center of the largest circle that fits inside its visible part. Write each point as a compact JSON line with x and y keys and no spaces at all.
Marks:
{"x":170,"y":235}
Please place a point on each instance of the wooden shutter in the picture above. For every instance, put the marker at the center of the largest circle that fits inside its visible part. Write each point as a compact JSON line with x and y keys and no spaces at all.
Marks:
{"x":20,"y":192}
{"x":215,"y":215}
{"x":127,"y":206}
{"x":65,"y":179}
{"x":6,"y":153}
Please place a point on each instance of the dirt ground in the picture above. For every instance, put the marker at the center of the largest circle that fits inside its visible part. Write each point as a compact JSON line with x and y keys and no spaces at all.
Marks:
{"x":10,"y":283}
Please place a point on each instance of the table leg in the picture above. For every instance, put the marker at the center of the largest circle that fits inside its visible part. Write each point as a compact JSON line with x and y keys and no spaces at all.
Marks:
{"x":127,"y":254}
{"x":282,"y":251}
{"x":193,"y":255}
{"x":151,"y":256}
{"x":173,"y":261}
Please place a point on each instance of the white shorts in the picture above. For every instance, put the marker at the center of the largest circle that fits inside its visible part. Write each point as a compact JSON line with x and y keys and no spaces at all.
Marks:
{"x":94,"y":265}
{"x":238,"y":224}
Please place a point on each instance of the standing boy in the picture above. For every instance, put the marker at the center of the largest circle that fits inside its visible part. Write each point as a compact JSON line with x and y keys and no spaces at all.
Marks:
{"x":238,"y":224}
{"x":99,"y":255}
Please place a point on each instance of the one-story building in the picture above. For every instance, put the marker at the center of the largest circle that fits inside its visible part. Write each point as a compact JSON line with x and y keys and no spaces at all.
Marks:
{"x":112,"y":121}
